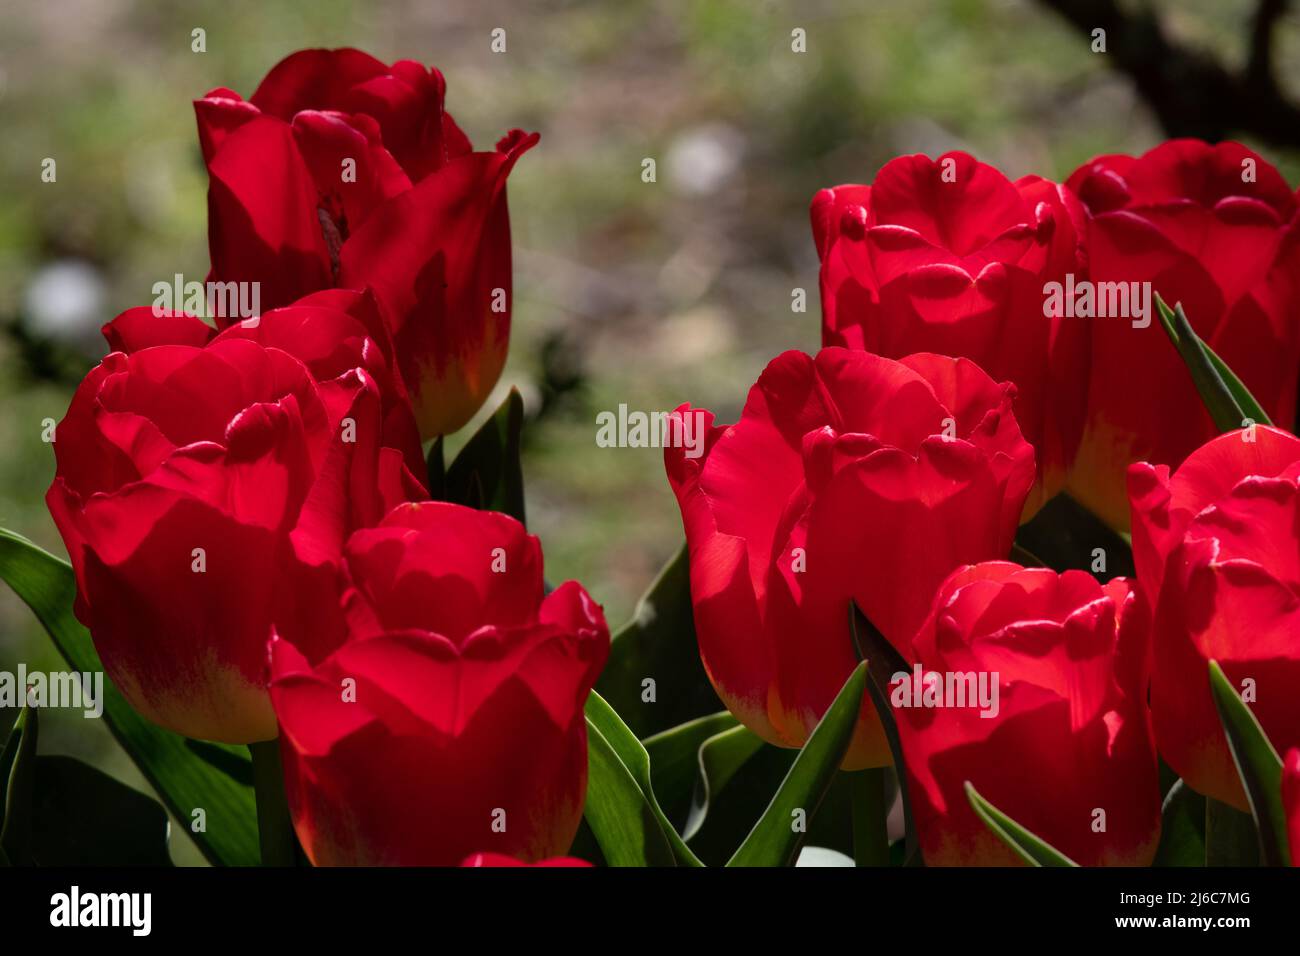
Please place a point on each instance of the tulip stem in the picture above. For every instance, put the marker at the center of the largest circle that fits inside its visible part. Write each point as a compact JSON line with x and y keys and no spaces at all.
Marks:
{"x":275,"y":833}
{"x":870,"y":810}
{"x":1230,"y":838}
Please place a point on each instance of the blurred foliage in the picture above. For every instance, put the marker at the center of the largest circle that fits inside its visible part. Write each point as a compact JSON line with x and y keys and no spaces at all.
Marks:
{"x":648,"y":294}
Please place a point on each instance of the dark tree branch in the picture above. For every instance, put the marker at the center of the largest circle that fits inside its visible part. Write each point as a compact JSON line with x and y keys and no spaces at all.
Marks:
{"x":1191,"y":92}
{"x":1259,"y":68}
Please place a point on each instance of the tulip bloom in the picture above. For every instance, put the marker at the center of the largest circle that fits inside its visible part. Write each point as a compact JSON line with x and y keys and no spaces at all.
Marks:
{"x":330,"y":332}
{"x":950,"y":256}
{"x":1067,"y":752}
{"x":849,"y":477}
{"x":191,"y":474}
{"x":341,"y":171}
{"x":1217,"y":554}
{"x":1212,"y":227}
{"x":443,"y":670}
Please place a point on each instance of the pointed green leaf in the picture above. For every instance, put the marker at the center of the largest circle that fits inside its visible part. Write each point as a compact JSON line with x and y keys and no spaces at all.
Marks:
{"x":275,"y":833}
{"x":187,"y":774}
{"x":883,"y":662}
{"x":487,"y":474}
{"x":659,"y":644}
{"x":18,"y":764}
{"x":1231,"y":838}
{"x":736,"y":798}
{"x":1245,"y":400}
{"x":871,"y":796}
{"x":775,"y":841}
{"x":1030,"y":848}
{"x":674,"y":760}
{"x":1226,"y":398}
{"x":1182,"y":828}
{"x":735,"y":805}
{"x":616,"y":811}
{"x":9,"y":755}
{"x":1258,"y":765}
{"x":621,"y":808}
{"x":717,"y":761}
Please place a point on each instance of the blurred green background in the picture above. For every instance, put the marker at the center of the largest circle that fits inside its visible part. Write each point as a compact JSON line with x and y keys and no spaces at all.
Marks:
{"x":648,"y":294}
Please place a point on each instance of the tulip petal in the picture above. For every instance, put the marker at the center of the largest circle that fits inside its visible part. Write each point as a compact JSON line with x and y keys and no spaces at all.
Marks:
{"x":435,"y":256}
{"x":263,"y":224}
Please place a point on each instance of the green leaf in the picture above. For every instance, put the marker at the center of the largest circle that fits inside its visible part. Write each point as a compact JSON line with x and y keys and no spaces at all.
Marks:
{"x":1226,"y":398}
{"x":1064,"y":534}
{"x":743,"y":773}
{"x":621,"y":807}
{"x":1032,"y":849}
{"x":1182,"y":828}
{"x":1258,"y":765}
{"x":734,"y":806}
{"x":487,"y":474}
{"x":436,"y":470}
{"x":83,"y":817}
{"x":1231,"y":838}
{"x":18,"y":766}
{"x":775,"y":841}
{"x":14,"y":741}
{"x":616,"y":811}
{"x":717,"y":762}
{"x":659,"y":644}
{"x":275,"y":833}
{"x":187,"y":774}
{"x":883,"y":662}
{"x":1245,"y":400}
{"x":674,"y":761}
{"x":870,"y":809}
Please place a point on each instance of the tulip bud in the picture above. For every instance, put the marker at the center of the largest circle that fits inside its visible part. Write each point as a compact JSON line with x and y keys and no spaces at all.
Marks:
{"x":192,"y":472}
{"x":469,"y":687}
{"x":1064,"y":748}
{"x":343,"y":172}
{"x":950,"y":256}
{"x":1216,"y":552}
{"x":849,"y":477}
{"x":1186,"y":222}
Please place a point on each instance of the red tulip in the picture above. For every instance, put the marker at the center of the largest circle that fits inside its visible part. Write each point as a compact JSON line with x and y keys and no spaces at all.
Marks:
{"x":498,"y":859}
{"x":439,"y":709}
{"x":191,"y":474}
{"x":849,"y":477}
{"x":1060,"y":739}
{"x":341,"y":171}
{"x":950,"y":256}
{"x":1218,"y":556}
{"x":1291,"y":802}
{"x":1211,"y":227}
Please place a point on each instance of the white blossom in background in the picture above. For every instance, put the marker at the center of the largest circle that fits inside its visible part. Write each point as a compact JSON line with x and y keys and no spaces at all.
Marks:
{"x":66,"y":300}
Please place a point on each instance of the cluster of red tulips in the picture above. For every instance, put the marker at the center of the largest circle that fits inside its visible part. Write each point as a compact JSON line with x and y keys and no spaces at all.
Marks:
{"x":263,"y":550}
